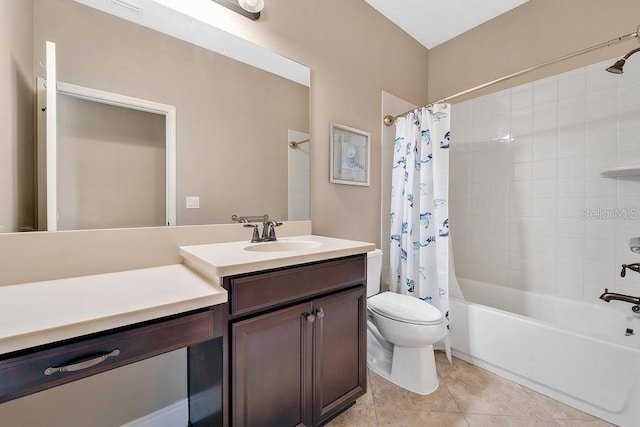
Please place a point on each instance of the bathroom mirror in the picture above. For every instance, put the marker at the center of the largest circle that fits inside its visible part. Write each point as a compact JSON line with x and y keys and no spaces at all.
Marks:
{"x":234,"y":121}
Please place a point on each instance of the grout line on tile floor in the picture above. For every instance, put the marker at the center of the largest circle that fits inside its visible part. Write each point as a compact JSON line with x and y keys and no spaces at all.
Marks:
{"x":547,"y":412}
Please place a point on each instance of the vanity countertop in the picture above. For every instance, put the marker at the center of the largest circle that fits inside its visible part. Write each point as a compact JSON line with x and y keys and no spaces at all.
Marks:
{"x":38,"y":313}
{"x":230,"y":258}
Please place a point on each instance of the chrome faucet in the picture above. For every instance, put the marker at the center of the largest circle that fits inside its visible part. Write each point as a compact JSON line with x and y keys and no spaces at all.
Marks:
{"x":611,"y":296}
{"x":269,"y":230}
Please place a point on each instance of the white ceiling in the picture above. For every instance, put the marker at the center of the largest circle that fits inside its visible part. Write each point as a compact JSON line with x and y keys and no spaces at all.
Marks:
{"x":432,"y":22}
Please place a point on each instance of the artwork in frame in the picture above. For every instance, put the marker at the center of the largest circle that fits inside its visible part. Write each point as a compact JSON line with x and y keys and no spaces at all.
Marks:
{"x":350,"y":154}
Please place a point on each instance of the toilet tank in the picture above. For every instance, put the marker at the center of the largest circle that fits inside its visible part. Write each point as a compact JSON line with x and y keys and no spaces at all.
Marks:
{"x":374,"y":270}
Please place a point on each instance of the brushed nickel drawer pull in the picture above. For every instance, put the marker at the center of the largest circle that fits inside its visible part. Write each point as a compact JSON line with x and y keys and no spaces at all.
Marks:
{"x":82,"y":365}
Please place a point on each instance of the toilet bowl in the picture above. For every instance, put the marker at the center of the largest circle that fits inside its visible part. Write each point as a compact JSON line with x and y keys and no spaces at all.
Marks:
{"x":401,"y":331}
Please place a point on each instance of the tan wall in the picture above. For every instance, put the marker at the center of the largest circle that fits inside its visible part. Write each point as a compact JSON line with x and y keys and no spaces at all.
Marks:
{"x":232,"y":119}
{"x":32,"y":257}
{"x":538,"y":31}
{"x":352,"y":60}
{"x":354,"y":54}
{"x":391,"y":105}
{"x":16,"y":112}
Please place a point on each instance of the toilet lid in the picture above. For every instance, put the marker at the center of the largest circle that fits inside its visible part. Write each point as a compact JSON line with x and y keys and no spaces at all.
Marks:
{"x":404,"y":308}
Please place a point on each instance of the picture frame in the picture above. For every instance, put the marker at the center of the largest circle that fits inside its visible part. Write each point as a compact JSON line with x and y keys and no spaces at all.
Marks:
{"x":350,"y":156}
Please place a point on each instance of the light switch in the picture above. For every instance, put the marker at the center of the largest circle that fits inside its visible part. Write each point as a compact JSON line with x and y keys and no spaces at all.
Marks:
{"x":193,"y":202}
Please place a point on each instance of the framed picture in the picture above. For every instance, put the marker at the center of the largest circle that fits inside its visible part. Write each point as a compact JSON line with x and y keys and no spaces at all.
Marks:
{"x":350,"y":155}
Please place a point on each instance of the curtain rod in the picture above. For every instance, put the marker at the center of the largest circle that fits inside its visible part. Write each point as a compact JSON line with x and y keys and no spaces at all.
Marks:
{"x":294,"y":144}
{"x":389,"y":120}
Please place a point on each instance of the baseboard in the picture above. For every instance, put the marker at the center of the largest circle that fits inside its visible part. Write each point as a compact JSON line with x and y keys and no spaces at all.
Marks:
{"x":175,"y":415}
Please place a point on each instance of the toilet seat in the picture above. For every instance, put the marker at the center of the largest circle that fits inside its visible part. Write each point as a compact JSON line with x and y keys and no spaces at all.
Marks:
{"x":404,"y":308}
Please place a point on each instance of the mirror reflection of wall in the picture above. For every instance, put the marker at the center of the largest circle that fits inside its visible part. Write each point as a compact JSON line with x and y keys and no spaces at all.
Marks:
{"x":111,"y":166}
{"x":17,"y":203}
{"x":232,"y":118}
{"x":299,"y":176}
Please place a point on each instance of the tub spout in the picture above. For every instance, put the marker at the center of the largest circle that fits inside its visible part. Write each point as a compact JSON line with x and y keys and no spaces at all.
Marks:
{"x":612,"y":296}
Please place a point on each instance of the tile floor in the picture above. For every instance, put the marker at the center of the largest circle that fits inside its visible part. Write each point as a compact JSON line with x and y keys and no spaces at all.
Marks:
{"x":467,"y":397}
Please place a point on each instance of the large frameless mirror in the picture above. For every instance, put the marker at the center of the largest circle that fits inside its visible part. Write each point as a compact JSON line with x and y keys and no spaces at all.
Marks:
{"x":234,"y":123}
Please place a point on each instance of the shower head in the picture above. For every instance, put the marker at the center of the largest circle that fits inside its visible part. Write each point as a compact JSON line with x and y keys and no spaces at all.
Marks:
{"x":617,"y":67}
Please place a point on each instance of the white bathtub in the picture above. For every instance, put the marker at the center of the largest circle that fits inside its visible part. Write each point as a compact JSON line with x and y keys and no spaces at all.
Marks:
{"x":574,"y":352}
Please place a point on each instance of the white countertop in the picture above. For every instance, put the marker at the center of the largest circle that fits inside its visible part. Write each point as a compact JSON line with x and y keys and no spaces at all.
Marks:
{"x":39,"y":313}
{"x":226,"y":259}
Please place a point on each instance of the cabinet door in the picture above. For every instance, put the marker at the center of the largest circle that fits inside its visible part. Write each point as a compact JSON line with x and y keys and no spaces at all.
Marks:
{"x":340,"y":348}
{"x":271,"y":368}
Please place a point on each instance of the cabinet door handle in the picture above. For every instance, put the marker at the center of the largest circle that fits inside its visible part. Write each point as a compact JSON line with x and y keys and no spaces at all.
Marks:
{"x":310,"y":318}
{"x":320,"y":313}
{"x":82,"y":365}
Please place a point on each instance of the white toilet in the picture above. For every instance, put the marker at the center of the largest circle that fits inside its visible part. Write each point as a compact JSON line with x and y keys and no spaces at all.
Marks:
{"x":401,"y":331}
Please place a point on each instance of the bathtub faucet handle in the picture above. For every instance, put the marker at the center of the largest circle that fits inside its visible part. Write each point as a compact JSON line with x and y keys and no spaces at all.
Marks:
{"x":635,"y":267}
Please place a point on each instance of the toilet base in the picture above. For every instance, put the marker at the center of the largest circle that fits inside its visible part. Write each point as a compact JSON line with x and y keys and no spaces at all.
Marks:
{"x":413,"y":369}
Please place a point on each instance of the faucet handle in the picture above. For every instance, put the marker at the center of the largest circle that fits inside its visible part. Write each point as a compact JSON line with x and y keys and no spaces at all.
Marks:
{"x":255,"y":238}
{"x":634,"y":267}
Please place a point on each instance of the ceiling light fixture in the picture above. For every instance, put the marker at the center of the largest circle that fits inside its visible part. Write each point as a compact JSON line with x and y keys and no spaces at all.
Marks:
{"x":247,"y":8}
{"x":253,"y":6}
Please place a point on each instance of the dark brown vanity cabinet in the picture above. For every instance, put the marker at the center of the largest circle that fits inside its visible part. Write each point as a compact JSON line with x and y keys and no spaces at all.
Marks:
{"x":300,"y":358}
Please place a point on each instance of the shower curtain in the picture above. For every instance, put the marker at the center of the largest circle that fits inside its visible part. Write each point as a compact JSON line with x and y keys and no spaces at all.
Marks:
{"x":419,"y":252}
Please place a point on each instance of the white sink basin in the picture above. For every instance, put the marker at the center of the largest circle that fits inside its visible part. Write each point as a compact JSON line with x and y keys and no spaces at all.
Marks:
{"x":283,"y":246}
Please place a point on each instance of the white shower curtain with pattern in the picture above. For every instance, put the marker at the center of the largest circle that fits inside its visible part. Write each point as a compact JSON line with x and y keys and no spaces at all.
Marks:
{"x":419,"y":252}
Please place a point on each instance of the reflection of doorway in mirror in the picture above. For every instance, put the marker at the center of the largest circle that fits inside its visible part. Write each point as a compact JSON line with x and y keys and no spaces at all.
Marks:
{"x":111,"y":166}
{"x":299,"y":165}
{"x":114,"y":160}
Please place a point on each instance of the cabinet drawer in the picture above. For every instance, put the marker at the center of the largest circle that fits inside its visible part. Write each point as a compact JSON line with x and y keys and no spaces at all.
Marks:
{"x":30,"y":372}
{"x":254,"y":292}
